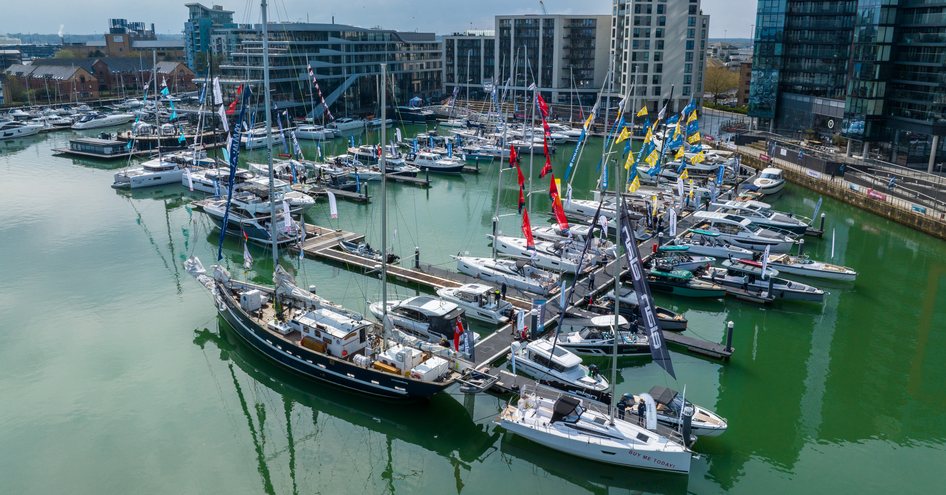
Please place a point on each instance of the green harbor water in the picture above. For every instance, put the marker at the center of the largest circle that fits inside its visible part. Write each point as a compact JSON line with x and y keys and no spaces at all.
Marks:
{"x":116,"y":375}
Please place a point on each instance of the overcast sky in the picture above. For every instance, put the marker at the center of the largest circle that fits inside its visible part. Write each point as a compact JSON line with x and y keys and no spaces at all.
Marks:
{"x":728,"y":17}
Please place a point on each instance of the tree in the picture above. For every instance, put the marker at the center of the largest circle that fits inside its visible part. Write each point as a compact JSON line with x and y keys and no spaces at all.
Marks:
{"x":720,"y":80}
{"x":65,"y":53}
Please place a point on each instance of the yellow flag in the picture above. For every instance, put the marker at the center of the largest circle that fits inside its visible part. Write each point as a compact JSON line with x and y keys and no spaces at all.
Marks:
{"x":677,"y":131}
{"x":692,"y":117}
{"x":685,"y":175}
{"x":630,"y":161}
{"x":651,"y":159}
{"x":691,"y":187}
{"x":624,"y":134}
{"x":642,"y":112}
{"x":588,"y":121}
{"x":654,"y":199}
{"x":634,"y":185}
{"x":680,"y":153}
{"x":648,"y":136}
{"x":698,"y":158}
{"x":558,"y":185}
{"x":695,"y":138}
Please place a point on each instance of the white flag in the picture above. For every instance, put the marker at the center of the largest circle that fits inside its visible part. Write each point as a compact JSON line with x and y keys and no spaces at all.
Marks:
{"x":247,"y":259}
{"x":680,"y":188}
{"x":302,"y":240}
{"x":568,"y":195}
{"x":287,"y":219}
{"x":190,"y":179}
{"x":164,"y":82}
{"x":332,"y":205}
{"x":222,"y":112}
{"x":218,"y":94}
{"x":603,"y":223}
{"x":673,"y":221}
{"x":520,"y":321}
{"x":765,"y":261}
{"x":397,"y":132}
{"x":532,"y":87}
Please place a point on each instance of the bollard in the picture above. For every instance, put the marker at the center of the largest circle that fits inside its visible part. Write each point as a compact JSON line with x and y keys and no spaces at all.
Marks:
{"x":822,"y":222}
{"x":427,"y":175}
{"x":801,"y":247}
{"x":365,"y":186}
{"x":729,"y":327}
{"x":660,"y":239}
{"x":417,"y":257}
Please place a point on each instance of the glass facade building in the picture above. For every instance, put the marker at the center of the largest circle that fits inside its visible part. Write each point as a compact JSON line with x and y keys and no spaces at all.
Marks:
{"x":346,"y":61}
{"x":469,"y":63}
{"x":870,"y":70}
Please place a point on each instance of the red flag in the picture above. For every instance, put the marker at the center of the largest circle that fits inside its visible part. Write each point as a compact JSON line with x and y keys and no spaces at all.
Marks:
{"x":379,"y":150}
{"x":543,"y":107}
{"x":527,"y":230}
{"x":548,"y":159}
{"x":557,"y":209}
{"x":522,"y":179}
{"x":522,"y":198}
{"x":456,"y":336}
{"x":231,"y":108}
{"x":513,"y":157}
{"x":548,"y":130}
{"x":547,"y":168}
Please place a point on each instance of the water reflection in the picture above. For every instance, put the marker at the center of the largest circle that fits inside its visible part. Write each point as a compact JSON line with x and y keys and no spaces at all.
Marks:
{"x":441,"y":426}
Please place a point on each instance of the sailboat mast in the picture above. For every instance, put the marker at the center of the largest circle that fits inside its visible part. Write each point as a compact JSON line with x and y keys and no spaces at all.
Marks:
{"x":384,"y":210}
{"x":269,"y":136}
{"x":532,"y":125}
{"x":157,"y":98}
{"x":619,"y":213}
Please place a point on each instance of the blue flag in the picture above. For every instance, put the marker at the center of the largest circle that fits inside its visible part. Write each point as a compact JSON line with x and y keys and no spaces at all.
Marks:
{"x":234,"y":156}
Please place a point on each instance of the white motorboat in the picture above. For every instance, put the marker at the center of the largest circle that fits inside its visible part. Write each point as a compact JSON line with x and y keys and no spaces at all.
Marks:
{"x":594,"y":336}
{"x":256,"y":227}
{"x":600,"y":246}
{"x":479,"y":301}
{"x":704,"y":242}
{"x":155,"y":172}
{"x":12,"y":129}
{"x":429,"y":318}
{"x":213,"y":180}
{"x":96,"y":120}
{"x":435,"y":162}
{"x":807,"y":267}
{"x":666,"y":319}
{"x":566,"y":425}
{"x":558,"y":257}
{"x":762,"y":215}
{"x":770,"y":181}
{"x":258,"y":186}
{"x":747,"y":274}
{"x":556,"y":366}
{"x":314,"y":132}
{"x":739,"y":231}
{"x":679,"y":258}
{"x":257,"y":138}
{"x":669,"y":408}
{"x":346,"y":124}
{"x":519,"y":274}
{"x":454,"y":123}
{"x":376,"y":122}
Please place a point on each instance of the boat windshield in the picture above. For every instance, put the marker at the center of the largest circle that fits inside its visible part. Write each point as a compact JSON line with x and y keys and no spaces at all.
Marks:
{"x":771,"y":176}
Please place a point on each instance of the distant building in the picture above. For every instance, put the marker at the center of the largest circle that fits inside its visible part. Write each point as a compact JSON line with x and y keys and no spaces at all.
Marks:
{"x":128,"y":75}
{"x":49,"y":83}
{"x":345,"y":59}
{"x":658,"y":46}
{"x":208,"y":32}
{"x":127,"y":38}
{"x":9,"y":57}
{"x":867,"y":69}
{"x":745,"y":80}
{"x":471,"y":51}
{"x":566,"y":56}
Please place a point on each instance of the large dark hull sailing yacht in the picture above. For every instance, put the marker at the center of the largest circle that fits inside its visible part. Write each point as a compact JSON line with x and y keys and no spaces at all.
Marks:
{"x":326,"y":342}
